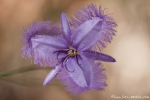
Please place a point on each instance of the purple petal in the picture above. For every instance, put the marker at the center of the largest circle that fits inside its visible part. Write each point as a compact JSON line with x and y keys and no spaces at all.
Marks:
{"x":41,"y":40}
{"x":81,"y":32}
{"x":91,"y":77}
{"x":98,"y":56}
{"x":53,"y":42}
{"x":65,"y":27}
{"x":78,"y":76}
{"x":52,"y":74}
{"x":91,"y":37}
{"x":44,"y":47}
{"x":108,"y":24}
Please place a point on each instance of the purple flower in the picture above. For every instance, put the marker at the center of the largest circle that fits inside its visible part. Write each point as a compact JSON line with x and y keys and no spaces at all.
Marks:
{"x":72,"y":50}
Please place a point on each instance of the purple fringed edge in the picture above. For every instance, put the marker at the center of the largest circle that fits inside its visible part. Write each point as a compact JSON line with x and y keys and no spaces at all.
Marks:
{"x":108,"y":23}
{"x":37,"y":28}
{"x":98,"y":81}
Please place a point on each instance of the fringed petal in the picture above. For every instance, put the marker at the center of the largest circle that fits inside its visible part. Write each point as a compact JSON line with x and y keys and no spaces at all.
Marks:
{"x":107,"y":28}
{"x":41,"y":40}
{"x":93,"y":75}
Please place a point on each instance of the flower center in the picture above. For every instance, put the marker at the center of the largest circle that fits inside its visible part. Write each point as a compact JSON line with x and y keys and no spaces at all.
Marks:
{"x":71,"y":52}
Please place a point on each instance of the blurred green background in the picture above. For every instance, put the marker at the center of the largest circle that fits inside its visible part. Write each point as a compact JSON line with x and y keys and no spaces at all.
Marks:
{"x":130,"y":47}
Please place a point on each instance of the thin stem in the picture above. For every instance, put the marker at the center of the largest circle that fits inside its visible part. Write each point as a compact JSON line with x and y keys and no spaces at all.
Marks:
{"x":18,"y":70}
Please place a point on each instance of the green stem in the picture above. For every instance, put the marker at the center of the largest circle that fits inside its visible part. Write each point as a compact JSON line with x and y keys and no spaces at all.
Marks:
{"x":19,"y":70}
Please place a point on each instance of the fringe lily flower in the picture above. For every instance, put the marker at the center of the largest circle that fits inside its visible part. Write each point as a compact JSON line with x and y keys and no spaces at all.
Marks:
{"x":72,"y":49}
